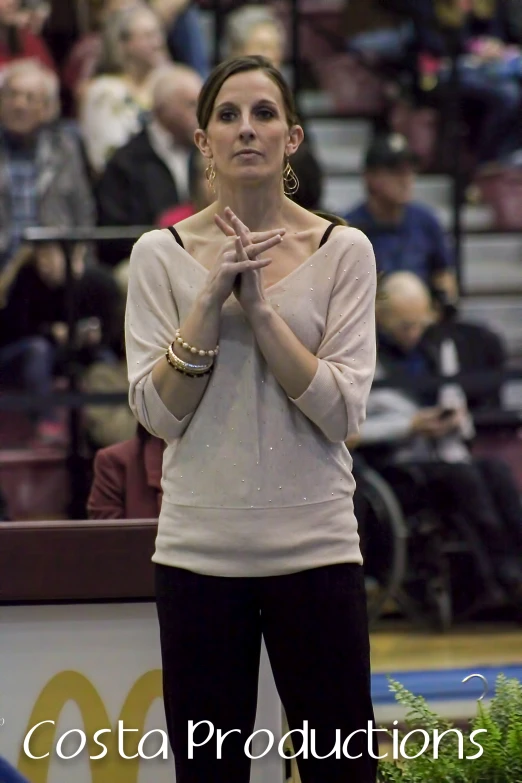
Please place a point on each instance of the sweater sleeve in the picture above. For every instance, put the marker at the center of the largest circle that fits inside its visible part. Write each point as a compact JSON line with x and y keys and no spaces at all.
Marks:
{"x":388,"y":418}
{"x":151,"y":320}
{"x":336,"y":398}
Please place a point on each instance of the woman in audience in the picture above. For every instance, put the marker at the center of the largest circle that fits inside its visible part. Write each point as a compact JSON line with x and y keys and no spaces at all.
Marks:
{"x":18,"y":37}
{"x":185,"y":41}
{"x":115,"y":103}
{"x":127,"y":479}
{"x":84,"y":57}
{"x":185,"y":37}
{"x":256,"y":30}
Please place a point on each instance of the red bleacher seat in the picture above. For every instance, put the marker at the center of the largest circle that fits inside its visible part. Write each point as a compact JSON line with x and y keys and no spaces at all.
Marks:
{"x":507,"y":447}
{"x":16,"y":429}
{"x":35,"y":483}
{"x":356,"y":91}
{"x":502,"y":190}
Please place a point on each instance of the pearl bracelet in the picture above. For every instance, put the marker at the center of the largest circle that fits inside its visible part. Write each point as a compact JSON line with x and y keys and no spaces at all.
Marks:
{"x":179,"y":339}
{"x":179,"y":364}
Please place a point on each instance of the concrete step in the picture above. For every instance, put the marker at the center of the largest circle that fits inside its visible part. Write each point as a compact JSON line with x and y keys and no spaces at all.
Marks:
{"x":341,"y":194}
{"x":492,"y":263}
{"x":473,"y":218}
{"x":329,"y":132}
{"x":35,"y":484}
{"x":348,"y":190}
{"x":340,"y":158}
{"x":316,"y":102}
{"x":491,"y":248}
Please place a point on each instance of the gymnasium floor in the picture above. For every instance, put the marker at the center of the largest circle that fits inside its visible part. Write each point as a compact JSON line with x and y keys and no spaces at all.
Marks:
{"x":434,"y":664}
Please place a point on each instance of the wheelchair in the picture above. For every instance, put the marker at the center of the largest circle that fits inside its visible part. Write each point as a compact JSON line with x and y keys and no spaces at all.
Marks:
{"x":433,"y":568}
{"x":383,"y":535}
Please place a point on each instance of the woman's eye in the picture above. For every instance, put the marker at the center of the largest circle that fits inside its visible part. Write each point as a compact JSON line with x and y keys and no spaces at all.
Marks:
{"x":265,"y":114}
{"x":226,"y":116}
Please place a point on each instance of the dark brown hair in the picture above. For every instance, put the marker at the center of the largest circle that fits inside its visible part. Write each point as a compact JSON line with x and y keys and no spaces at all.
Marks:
{"x":228,"y":68}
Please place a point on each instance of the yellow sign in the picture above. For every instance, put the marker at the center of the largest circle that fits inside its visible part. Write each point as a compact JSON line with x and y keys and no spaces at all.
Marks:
{"x":73,"y":686}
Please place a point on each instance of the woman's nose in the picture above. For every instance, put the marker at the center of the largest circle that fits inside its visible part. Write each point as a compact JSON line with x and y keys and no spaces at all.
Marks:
{"x":246,"y":130}
{"x":246,"y":134}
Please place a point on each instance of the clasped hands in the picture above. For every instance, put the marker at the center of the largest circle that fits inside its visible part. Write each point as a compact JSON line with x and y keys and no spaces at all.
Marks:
{"x":248,"y":246}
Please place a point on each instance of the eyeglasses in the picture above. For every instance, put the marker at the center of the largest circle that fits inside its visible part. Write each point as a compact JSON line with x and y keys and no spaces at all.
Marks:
{"x":32,"y":98}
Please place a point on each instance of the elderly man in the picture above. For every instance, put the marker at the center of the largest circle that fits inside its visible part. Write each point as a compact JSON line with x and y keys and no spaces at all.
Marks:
{"x":430,"y":432}
{"x":42,"y":177}
{"x":150,"y":173}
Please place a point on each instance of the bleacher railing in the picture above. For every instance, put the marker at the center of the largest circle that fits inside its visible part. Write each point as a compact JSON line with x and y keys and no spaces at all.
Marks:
{"x":74,"y":400}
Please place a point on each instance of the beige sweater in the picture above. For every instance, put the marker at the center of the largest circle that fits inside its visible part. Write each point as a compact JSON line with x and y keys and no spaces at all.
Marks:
{"x":256,"y":483}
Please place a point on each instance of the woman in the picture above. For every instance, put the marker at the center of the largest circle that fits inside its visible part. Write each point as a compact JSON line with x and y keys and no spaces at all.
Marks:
{"x":185,"y":40}
{"x":19,"y":37}
{"x":255,"y":370}
{"x":127,"y":479}
{"x":115,"y":103}
{"x":254,"y":30}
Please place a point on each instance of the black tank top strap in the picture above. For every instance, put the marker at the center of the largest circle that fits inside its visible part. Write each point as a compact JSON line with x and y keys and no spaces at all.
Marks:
{"x":326,"y":234}
{"x":176,"y":236}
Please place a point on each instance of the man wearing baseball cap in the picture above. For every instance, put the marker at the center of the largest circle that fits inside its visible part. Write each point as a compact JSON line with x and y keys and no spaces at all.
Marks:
{"x":406,"y":236}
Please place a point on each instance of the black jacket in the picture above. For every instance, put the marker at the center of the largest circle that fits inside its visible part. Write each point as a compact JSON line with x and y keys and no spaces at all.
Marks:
{"x":479,"y":350}
{"x":134,"y":190}
{"x":32,"y":306}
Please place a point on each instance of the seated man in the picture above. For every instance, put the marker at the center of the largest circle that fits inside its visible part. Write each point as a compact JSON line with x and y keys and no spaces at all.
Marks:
{"x":406,"y":426}
{"x":200,"y":194}
{"x":43,"y":181}
{"x":405,"y":235}
{"x":150,"y":173}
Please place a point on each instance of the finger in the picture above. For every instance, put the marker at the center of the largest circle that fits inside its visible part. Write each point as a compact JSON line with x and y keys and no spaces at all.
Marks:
{"x":262,"y":236}
{"x":241,"y":253}
{"x":251,"y":265}
{"x":238,"y":225}
{"x":255,"y":250}
{"x":223,"y":225}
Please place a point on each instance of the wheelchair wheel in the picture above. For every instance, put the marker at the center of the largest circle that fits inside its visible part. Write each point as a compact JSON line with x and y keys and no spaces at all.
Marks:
{"x":383,"y":535}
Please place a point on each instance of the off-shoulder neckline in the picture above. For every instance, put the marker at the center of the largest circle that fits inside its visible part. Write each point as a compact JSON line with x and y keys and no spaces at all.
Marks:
{"x":286,"y":278}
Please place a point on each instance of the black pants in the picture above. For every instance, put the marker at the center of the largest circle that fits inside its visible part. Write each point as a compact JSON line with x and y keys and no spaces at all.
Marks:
{"x":315,"y":629}
{"x":484,"y":492}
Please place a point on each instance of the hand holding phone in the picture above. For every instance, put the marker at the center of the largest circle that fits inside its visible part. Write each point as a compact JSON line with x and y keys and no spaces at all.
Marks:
{"x":447,"y":413}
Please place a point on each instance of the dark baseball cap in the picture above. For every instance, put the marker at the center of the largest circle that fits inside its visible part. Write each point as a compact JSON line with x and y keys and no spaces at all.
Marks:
{"x":389,"y":152}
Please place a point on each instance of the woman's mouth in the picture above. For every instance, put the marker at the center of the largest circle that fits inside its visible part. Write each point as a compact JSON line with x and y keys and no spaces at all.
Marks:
{"x":247,"y":154}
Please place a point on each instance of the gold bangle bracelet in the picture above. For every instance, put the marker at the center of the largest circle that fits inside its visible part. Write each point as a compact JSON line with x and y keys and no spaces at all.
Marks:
{"x":187,"y":369}
{"x":187,"y":366}
{"x":189,"y":374}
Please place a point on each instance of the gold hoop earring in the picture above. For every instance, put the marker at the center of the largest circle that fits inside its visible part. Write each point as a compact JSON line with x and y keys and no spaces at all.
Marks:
{"x":210,"y":174}
{"x":291,"y":183}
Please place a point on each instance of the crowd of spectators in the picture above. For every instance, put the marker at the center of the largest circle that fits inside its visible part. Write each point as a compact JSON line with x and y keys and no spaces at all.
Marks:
{"x":123,"y":156}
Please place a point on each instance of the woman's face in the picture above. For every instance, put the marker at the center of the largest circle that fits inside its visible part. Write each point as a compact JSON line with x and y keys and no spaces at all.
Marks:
{"x":248,"y":135}
{"x":9,"y":11}
{"x":265,"y":39}
{"x":146,"y":40}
